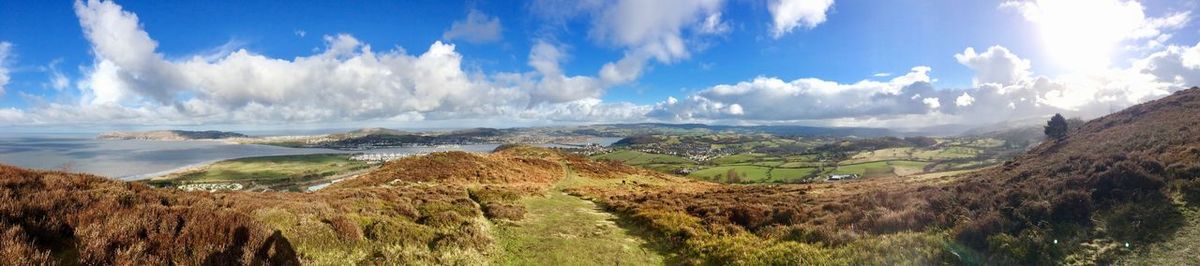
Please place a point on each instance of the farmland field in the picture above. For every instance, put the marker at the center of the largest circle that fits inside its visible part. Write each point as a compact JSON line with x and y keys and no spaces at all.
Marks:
{"x":641,"y":158}
{"x":744,"y":172}
{"x":272,"y":171}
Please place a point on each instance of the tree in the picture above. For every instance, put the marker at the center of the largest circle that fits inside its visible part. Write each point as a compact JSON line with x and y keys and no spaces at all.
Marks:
{"x":1057,"y":127}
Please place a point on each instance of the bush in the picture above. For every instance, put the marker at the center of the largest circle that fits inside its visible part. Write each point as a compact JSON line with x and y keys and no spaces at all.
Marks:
{"x":504,"y":211}
{"x":346,"y":229}
{"x":399,"y":231}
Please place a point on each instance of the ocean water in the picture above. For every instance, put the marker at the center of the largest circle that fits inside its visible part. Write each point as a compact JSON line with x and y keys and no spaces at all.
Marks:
{"x":134,"y":159}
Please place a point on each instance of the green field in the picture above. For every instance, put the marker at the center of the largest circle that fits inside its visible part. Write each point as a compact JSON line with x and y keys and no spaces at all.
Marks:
{"x":638,"y":158}
{"x":953,"y":152}
{"x":271,"y":171}
{"x":753,"y":174}
{"x":790,"y":174}
{"x":746,"y":173}
{"x":872,"y":169}
{"x":738,"y":158}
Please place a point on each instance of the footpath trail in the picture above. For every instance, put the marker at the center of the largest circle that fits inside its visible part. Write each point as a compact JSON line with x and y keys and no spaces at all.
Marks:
{"x":560,"y":229}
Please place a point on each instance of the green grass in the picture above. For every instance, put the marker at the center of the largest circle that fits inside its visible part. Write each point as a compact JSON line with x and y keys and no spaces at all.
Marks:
{"x":801,"y":164}
{"x":738,"y":158}
{"x":871,"y":169}
{"x":790,"y":174}
{"x":884,"y":154}
{"x":267,"y":170}
{"x":638,"y":158}
{"x":560,"y":229}
{"x":953,"y":152}
{"x":747,"y":173}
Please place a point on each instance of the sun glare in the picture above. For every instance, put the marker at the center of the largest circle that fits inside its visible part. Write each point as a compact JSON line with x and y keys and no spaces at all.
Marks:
{"x":1084,"y":35}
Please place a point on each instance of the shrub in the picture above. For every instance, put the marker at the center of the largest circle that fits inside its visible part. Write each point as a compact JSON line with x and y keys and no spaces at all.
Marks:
{"x":504,"y":211}
{"x":346,"y":229}
{"x":399,"y":231}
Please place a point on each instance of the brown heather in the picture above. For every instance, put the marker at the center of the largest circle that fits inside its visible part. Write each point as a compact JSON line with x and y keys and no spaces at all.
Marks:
{"x":1122,"y":177}
{"x":1125,"y":173}
{"x":416,"y":210}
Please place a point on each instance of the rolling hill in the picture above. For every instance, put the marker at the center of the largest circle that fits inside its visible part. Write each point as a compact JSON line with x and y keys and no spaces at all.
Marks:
{"x":1114,"y":188}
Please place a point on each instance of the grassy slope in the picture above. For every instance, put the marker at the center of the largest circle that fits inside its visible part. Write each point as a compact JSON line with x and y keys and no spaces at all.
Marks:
{"x":560,"y":229}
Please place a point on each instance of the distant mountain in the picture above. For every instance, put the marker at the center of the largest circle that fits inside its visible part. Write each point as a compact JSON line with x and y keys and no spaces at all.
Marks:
{"x":376,"y":131}
{"x":621,"y":130}
{"x":170,"y":135}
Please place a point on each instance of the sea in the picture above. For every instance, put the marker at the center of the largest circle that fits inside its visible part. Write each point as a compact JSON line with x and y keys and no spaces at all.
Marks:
{"x":138,"y":159}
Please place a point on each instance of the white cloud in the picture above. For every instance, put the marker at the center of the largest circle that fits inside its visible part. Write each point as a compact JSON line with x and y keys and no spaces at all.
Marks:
{"x":130,"y":82}
{"x":554,"y":86}
{"x":650,"y":30}
{"x":964,"y":100}
{"x":996,"y":65}
{"x":118,"y":41}
{"x":736,"y":109}
{"x":476,"y":28}
{"x":5,"y":49}
{"x":911,"y":100}
{"x":714,"y":25}
{"x":790,"y":14}
{"x":932,"y":102}
{"x":881,"y":75}
{"x":767,"y":98}
{"x":57,"y":80}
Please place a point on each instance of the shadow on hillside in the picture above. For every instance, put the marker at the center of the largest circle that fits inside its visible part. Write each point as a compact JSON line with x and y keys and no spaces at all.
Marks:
{"x":276,"y":250}
{"x":652,"y":242}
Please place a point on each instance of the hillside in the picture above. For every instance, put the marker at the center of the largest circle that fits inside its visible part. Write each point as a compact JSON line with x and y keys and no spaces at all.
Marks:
{"x":1122,"y":178}
{"x":435,"y":209}
{"x":1116,"y":187}
{"x":170,"y":135}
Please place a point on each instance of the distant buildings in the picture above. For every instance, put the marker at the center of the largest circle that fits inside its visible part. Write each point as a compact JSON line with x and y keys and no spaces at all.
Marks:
{"x":381,"y":157}
{"x":837,"y":177}
{"x":210,"y":187}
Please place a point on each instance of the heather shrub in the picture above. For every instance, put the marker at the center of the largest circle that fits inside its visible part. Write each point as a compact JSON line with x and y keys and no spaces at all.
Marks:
{"x":399,"y":232}
{"x":504,"y":211}
{"x":17,"y":249}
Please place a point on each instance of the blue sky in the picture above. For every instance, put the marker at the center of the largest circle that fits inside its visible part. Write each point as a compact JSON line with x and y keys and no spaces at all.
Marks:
{"x":732,"y":63}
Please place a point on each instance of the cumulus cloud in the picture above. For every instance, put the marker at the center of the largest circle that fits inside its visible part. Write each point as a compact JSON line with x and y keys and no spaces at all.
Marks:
{"x":933,"y":103}
{"x":651,"y":30}
{"x":555,"y":86}
{"x":791,"y":14}
{"x":964,"y":100}
{"x":476,"y":28}
{"x":131,"y":82}
{"x":1004,"y":90}
{"x":996,"y":65}
{"x":768,"y":98}
{"x":5,"y":49}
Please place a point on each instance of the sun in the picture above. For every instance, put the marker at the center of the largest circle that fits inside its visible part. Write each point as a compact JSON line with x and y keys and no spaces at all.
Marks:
{"x":1084,"y":35}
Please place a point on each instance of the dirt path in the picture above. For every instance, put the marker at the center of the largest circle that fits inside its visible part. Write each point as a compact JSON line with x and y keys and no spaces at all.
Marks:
{"x":559,"y":229}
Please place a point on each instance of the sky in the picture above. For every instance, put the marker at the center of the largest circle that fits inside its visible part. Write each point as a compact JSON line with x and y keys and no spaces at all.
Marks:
{"x":428,"y":64}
